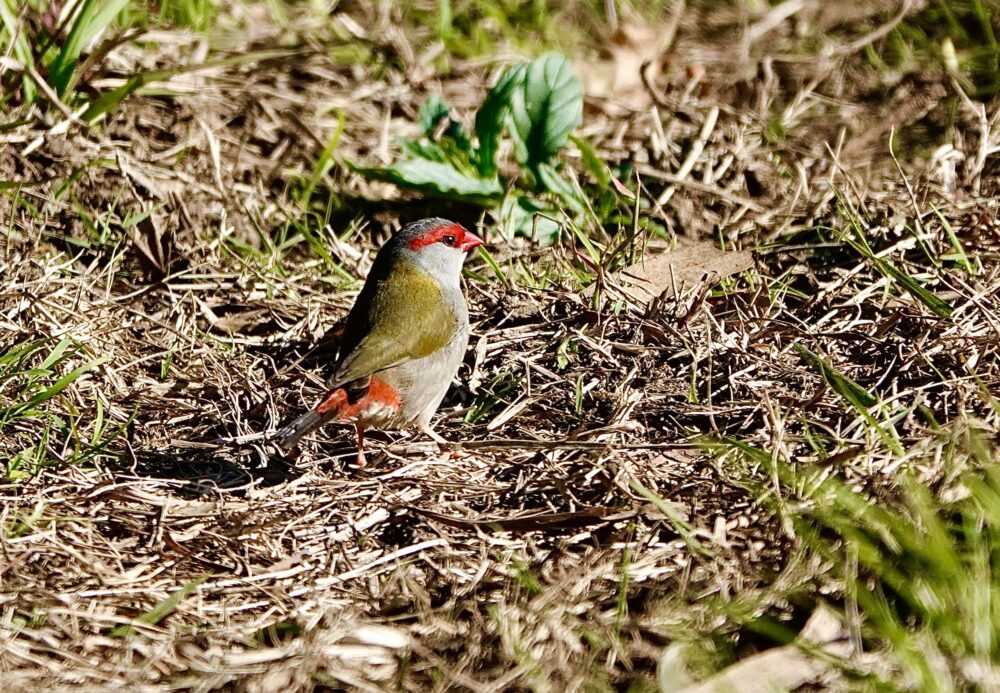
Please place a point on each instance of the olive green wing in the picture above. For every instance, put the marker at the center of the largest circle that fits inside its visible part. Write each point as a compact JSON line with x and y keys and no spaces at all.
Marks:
{"x":393,"y":322}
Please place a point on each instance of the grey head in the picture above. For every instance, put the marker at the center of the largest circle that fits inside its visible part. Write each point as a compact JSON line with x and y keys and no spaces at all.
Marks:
{"x":438,"y":246}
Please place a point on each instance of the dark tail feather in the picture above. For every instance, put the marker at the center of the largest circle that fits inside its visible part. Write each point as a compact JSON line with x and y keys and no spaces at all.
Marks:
{"x":289,"y":436}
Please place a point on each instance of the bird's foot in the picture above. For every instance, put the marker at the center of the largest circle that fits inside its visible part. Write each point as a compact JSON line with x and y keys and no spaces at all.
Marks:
{"x":435,"y":436}
{"x":448,"y":449}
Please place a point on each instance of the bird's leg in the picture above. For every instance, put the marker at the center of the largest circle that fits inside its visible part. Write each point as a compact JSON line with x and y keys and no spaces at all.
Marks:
{"x":426,"y":429}
{"x":361,"y":444}
{"x":447,"y":450}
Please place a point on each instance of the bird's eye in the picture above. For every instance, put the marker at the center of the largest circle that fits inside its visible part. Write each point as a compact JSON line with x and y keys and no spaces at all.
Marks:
{"x":448,"y":240}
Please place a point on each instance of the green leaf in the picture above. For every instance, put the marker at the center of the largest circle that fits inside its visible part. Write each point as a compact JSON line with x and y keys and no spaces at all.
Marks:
{"x":162,"y":609}
{"x":20,"y":47}
{"x":674,"y":518}
{"x":844,"y":386}
{"x":56,"y":354}
{"x":110,"y":99}
{"x":491,"y":116}
{"x":61,"y":384}
{"x":324,"y":162}
{"x":437,"y":178}
{"x":447,"y":150}
{"x":857,"y":240}
{"x":561,"y":187}
{"x":444,"y":20}
{"x":522,"y":216}
{"x":545,"y":107}
{"x":593,"y":162}
{"x":431,"y":113}
{"x":936,"y":304}
{"x":424,"y":149}
{"x":856,"y":396}
{"x":93,"y":17}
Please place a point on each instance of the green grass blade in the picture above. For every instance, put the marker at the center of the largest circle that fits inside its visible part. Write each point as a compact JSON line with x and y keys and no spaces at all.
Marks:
{"x":162,"y":609}
{"x":593,"y":162}
{"x":856,"y":239}
{"x":18,"y":45}
{"x":110,"y":99}
{"x":936,"y":305}
{"x":959,"y":256}
{"x":323,"y":162}
{"x":842,"y":385}
{"x":56,"y":354}
{"x":93,"y":17}
{"x":53,"y":390}
{"x":444,"y":23}
{"x":857,"y":396}
{"x":494,"y":266}
{"x":683,"y":528}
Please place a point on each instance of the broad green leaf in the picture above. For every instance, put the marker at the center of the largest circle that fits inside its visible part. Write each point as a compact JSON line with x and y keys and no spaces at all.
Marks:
{"x":492,"y":115}
{"x":431,"y":113}
{"x":545,"y":107}
{"x":423,"y":149}
{"x":93,"y":18}
{"x":446,"y":150}
{"x":436,"y":178}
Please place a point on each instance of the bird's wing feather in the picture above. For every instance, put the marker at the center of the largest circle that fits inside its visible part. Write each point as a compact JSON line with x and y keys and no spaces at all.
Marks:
{"x":394,"y":321}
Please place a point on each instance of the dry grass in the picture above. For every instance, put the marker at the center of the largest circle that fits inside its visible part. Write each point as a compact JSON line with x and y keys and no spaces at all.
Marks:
{"x":531,"y":557}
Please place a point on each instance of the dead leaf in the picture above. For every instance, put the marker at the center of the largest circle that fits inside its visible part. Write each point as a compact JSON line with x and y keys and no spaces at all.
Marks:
{"x":154,"y":238}
{"x":686,"y":265}
{"x":616,"y":74}
{"x":154,"y":246}
{"x":620,"y":187}
{"x":236,"y":321}
{"x":241,"y":318}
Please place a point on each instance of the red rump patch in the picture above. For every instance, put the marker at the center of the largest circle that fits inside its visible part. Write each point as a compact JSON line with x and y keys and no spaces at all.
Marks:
{"x":379,"y":392}
{"x":436,"y":234}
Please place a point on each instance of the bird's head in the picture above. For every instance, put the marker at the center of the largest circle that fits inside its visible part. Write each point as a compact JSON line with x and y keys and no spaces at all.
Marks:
{"x":436,"y":245}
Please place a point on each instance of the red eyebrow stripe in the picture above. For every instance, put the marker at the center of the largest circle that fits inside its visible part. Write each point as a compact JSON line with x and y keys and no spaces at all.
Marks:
{"x":436,"y":234}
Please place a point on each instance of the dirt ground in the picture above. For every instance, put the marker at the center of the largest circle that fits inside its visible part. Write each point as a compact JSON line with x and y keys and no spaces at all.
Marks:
{"x":581,"y":524}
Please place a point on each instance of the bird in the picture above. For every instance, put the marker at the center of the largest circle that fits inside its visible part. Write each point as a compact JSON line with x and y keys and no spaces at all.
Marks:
{"x":404,"y":338}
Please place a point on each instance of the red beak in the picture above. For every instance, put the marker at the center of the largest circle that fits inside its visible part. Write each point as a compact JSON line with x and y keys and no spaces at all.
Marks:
{"x":470,"y":241}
